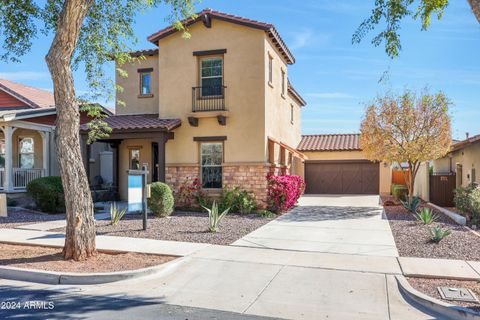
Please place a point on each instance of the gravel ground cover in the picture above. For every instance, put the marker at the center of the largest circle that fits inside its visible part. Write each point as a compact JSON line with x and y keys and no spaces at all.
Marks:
{"x":183,"y":226}
{"x":413,"y":240}
{"x":50,"y":259}
{"x":429,"y":287}
{"x":20,"y":216}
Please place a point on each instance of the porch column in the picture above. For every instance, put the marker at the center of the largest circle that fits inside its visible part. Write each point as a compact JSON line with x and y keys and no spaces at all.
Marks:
{"x":46,"y":152}
{"x":160,"y":166}
{"x":8,"y":132}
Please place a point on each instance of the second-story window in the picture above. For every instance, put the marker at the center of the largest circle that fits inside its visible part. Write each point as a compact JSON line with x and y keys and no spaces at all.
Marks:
{"x":291,"y":113}
{"x":145,"y":82}
{"x":211,"y":77}
{"x":283,"y":82}
{"x":270,"y":69}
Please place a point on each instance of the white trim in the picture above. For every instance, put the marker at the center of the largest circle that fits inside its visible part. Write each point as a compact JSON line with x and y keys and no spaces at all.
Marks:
{"x":33,"y":126}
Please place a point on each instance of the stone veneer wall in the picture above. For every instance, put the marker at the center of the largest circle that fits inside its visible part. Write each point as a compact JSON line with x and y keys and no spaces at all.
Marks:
{"x":251,"y":177}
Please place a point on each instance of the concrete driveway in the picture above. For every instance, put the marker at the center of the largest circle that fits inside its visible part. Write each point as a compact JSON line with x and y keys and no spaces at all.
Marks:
{"x":331,"y":224}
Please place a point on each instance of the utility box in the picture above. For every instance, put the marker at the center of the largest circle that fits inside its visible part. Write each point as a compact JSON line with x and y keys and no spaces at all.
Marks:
{"x":3,"y":205}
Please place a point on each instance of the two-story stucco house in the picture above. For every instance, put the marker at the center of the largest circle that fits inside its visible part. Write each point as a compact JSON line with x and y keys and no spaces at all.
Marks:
{"x":218,"y":106}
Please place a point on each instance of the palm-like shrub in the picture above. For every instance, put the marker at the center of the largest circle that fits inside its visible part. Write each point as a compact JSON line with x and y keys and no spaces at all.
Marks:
{"x":437,"y":234}
{"x":116,"y":214}
{"x":412,"y":205}
{"x":214,"y":217}
{"x":426,"y":216}
{"x":161,"y":200}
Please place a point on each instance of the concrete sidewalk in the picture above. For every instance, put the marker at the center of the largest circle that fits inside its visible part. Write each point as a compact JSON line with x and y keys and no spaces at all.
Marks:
{"x":106,"y":243}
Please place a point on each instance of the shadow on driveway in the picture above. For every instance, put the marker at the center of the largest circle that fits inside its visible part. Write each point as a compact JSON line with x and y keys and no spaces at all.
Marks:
{"x":324,"y":213}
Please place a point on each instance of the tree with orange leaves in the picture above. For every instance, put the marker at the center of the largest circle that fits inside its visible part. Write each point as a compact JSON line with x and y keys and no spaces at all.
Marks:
{"x":407,"y":128}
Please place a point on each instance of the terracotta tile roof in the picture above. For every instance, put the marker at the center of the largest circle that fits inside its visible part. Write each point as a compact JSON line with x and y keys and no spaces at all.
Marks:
{"x":138,"y":122}
{"x":144,"y":52}
{"x":35,"y":98}
{"x":457,"y":145}
{"x":330,"y":142}
{"x":207,"y":14}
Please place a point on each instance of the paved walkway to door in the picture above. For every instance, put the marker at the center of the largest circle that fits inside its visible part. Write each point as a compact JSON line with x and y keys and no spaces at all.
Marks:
{"x":330,"y":223}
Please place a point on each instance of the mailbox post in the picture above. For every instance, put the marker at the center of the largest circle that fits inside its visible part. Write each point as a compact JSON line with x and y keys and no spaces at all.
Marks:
{"x":138,"y":191}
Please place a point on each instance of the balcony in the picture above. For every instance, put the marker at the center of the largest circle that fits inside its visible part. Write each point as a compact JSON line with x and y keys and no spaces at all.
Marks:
{"x":205,"y":99}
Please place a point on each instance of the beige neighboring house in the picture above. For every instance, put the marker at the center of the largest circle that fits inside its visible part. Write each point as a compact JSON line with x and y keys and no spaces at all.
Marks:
{"x":27,"y":146}
{"x":218,"y":107}
{"x":463,"y":159}
{"x":336,"y":165}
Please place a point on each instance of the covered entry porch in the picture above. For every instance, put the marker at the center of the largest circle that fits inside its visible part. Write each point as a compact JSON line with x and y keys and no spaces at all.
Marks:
{"x":135,"y":140}
{"x":25,"y":150}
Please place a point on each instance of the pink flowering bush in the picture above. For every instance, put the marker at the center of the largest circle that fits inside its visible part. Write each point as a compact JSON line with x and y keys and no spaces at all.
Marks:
{"x":284,"y":192}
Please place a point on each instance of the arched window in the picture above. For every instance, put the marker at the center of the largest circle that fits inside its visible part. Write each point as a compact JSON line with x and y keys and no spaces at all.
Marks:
{"x":26,"y":153}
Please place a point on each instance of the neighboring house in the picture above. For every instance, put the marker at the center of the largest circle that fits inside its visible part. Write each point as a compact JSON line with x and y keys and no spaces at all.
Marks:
{"x":336,"y":165}
{"x":463,"y":159}
{"x":27,"y":147}
{"x":218,"y":107}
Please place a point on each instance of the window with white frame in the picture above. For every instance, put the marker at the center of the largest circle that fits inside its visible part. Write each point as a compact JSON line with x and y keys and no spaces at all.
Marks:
{"x":2,"y":153}
{"x":211,"y":157}
{"x":26,"y":153}
{"x":211,"y":76}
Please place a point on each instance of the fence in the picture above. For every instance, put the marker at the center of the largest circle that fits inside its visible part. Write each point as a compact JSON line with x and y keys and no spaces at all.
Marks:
{"x":442,"y":186}
{"x":398,"y":176}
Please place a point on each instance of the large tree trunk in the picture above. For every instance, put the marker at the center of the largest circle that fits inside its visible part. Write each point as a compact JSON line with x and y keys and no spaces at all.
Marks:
{"x":80,"y":233}
{"x":475,"y":5}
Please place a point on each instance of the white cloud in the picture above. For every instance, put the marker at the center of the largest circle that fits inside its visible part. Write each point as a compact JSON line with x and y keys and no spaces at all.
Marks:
{"x":24,"y":75}
{"x":308,"y":37}
{"x":330,"y":95}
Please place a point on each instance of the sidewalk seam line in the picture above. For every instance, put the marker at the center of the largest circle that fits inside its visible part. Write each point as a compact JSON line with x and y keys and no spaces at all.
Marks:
{"x":388,"y":298}
{"x":474,"y":270}
{"x":263,"y":290}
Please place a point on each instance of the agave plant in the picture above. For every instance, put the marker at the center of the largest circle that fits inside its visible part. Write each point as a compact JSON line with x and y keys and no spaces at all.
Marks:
{"x":214,"y":217}
{"x":116,"y":214}
{"x":413,"y":205}
{"x":437,"y":234}
{"x":426,"y":216}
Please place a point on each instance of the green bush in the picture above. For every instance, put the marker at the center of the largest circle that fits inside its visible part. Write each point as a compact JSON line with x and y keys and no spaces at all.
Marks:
{"x":161,"y":199}
{"x":399,"y":192}
{"x":47,"y":192}
{"x":468,"y":200}
{"x":239,"y":201}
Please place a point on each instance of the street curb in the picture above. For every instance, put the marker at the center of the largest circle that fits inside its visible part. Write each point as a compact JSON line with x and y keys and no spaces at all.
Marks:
{"x":434,"y":305}
{"x":52,"y":277}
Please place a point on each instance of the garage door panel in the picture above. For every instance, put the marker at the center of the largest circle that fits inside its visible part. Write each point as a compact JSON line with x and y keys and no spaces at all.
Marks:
{"x":340,"y":177}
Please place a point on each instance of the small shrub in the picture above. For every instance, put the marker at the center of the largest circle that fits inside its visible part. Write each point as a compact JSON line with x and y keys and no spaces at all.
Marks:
{"x":47,"y":192}
{"x":413,"y":205}
{"x":399,"y":192}
{"x":266,"y":214}
{"x":467,"y":200}
{"x":214,"y":217}
{"x":426,"y":216}
{"x":11,"y":202}
{"x":190,"y":195}
{"x":116,"y":214}
{"x":161,"y":200}
{"x":239,"y":201}
{"x":437,"y":234}
{"x":283,"y":192}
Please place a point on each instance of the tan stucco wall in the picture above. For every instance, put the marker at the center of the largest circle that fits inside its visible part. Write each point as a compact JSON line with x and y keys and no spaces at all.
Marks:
{"x":468,"y":157}
{"x":422,"y":179}
{"x":385,"y":170}
{"x":131,"y":88}
{"x":255,"y":110}
{"x":243,"y":78}
{"x":277,"y":106}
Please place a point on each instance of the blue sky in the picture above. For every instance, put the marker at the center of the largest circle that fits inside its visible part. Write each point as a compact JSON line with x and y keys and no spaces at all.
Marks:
{"x":335,"y":77}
